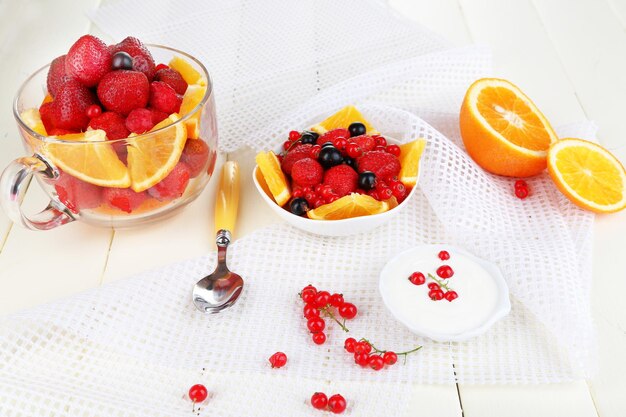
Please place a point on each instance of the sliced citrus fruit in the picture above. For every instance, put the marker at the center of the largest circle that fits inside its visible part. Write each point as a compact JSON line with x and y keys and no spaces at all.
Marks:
{"x":351,"y":205}
{"x":32,"y":119}
{"x":47,"y":99}
{"x":193,"y":96}
{"x":151,"y":158}
{"x":589,"y":175}
{"x":410,"y":154}
{"x":342,"y":119}
{"x":90,"y":158}
{"x":188,"y":72}
{"x":274,"y":177}
{"x":261,"y":180}
{"x":503,"y":130}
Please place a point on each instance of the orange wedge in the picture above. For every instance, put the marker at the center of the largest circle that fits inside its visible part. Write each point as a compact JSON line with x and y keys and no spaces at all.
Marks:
{"x":187,"y":71}
{"x":32,"y":119}
{"x":351,"y":205}
{"x":151,"y":158}
{"x":589,"y":175}
{"x":410,"y":154}
{"x":193,"y":96}
{"x":90,"y":158}
{"x":274,"y":178}
{"x":47,"y":99}
{"x":342,"y":119}
{"x":503,"y":130}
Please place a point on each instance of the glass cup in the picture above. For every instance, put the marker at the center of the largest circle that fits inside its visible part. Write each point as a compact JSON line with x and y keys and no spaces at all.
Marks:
{"x":59,"y":163}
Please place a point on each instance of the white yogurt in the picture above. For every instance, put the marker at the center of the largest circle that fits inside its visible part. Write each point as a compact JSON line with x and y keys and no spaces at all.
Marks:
{"x":482,"y":293}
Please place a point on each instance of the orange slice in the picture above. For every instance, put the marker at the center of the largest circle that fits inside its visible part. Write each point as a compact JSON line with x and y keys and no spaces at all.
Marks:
{"x":193,"y":96}
{"x":342,"y":119}
{"x":187,"y":71}
{"x":274,"y":177}
{"x":351,"y":205}
{"x":151,"y":158}
{"x":90,"y":158}
{"x":503,"y":130}
{"x":410,"y":154}
{"x":47,"y":99}
{"x":589,"y":175}
{"x":32,"y":119}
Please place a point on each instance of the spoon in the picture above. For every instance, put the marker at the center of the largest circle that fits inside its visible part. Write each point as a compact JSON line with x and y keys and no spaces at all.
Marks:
{"x":222,"y":288}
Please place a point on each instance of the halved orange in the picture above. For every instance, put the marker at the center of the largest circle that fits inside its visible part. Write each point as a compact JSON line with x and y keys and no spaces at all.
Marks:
{"x":187,"y":71}
{"x":274,"y":178}
{"x":410,"y":154}
{"x":151,"y":158}
{"x":503,"y":130}
{"x":351,"y":205}
{"x":589,"y":175}
{"x":89,"y":157}
{"x":193,"y":96}
{"x":342,"y":119}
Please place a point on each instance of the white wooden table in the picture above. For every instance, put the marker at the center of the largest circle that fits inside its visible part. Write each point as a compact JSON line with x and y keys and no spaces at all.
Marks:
{"x":569,"y":55}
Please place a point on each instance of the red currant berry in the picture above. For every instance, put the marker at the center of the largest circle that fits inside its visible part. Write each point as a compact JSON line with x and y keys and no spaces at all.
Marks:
{"x":521,"y":192}
{"x":278,"y":360}
{"x":521,"y":184}
{"x":435,"y":295}
{"x":367,"y":348}
{"x":390,"y":358}
{"x":348,"y":311}
{"x":318,"y":188}
{"x":349,"y":344}
{"x":373,"y":194}
{"x":361,"y":358}
{"x":310,"y":311}
{"x":319,"y":202}
{"x":398,"y":189}
{"x":319,"y":338}
{"x":337,"y":404}
{"x":309,"y":196}
{"x":317,"y":324}
{"x":353,"y":150}
{"x":393,"y":149}
{"x":308,"y":295}
{"x":341,"y":143}
{"x":444,"y":255}
{"x":93,"y":111}
{"x":450,"y":295}
{"x":319,"y":400}
{"x":362,"y":347}
{"x":327,"y":192}
{"x":160,"y":67}
{"x":385,"y":193}
{"x":315,"y":151}
{"x":380,"y":141}
{"x":433,"y":286}
{"x":322,"y":299}
{"x":286,"y":145}
{"x":198,"y":393}
{"x":380,"y":148}
{"x":417,"y":278}
{"x":376,"y":362}
{"x":445,"y":271}
{"x":360,"y":191}
{"x":333,"y":199}
{"x":336,"y":300}
{"x":294,"y":135}
{"x":297,"y":193}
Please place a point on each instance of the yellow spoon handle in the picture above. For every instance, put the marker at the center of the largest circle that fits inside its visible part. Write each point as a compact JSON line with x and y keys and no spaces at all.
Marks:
{"x":227,"y":199}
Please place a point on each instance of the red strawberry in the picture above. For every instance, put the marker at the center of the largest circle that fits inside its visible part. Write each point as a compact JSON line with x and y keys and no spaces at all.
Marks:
{"x":112,"y":123}
{"x":294,"y":155}
{"x":195,"y":156}
{"x":172,"y":78}
{"x":88,"y":60}
{"x":124,"y":199}
{"x":139,"y":121}
{"x":142,"y":58}
{"x":366,"y":143}
{"x":158,"y":116}
{"x":46,"y":111}
{"x":172,"y":186}
{"x":57,"y":77}
{"x":342,"y":179}
{"x":75,"y":194}
{"x":164,"y":98}
{"x":59,"y":132}
{"x":123,"y":91}
{"x":307,"y":172}
{"x":381,"y":163}
{"x":333,"y":135}
{"x":70,"y":105}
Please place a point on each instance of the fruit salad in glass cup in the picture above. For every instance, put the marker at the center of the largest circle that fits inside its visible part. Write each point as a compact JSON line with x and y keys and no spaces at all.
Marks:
{"x":119,"y":135}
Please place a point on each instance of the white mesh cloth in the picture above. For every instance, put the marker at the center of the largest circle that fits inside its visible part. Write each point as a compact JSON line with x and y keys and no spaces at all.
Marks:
{"x":134,"y":347}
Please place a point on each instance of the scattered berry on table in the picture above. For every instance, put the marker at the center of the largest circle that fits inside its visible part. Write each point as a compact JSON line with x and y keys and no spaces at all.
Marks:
{"x":435,"y":295}
{"x":299,"y":206}
{"x":443,"y":255}
{"x":521,"y":193}
{"x":450,"y":295}
{"x":198,"y":393}
{"x":445,"y":271}
{"x":319,"y":400}
{"x":337,"y":404}
{"x":348,"y":311}
{"x":278,"y":360}
{"x":417,"y":278}
{"x":319,"y":338}
{"x":121,"y":61}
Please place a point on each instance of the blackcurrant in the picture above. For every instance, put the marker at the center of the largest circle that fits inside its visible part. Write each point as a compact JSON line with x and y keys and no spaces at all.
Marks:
{"x":330,"y":156}
{"x":307,"y":137}
{"x":367,"y":180}
{"x":298,"y":206}
{"x":350,"y":162}
{"x":328,"y":144}
{"x":356,"y":129}
{"x":310,"y":132}
{"x":122,"y":61}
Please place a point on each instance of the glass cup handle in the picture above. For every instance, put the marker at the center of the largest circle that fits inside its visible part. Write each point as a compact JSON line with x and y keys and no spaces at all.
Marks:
{"x":15,"y":175}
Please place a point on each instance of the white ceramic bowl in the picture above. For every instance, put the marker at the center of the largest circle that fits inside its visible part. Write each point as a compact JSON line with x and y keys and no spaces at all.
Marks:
{"x":343,"y":227}
{"x":483,"y":296}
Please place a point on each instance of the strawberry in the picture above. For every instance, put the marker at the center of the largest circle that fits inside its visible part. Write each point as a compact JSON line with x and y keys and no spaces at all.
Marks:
{"x":70,"y":105}
{"x":342,"y":179}
{"x":195,"y":155}
{"x":123,"y":91}
{"x":295,"y":154}
{"x":172,"y":186}
{"x":75,"y":194}
{"x":57,"y":77}
{"x":142,"y":58}
{"x":366,"y":143}
{"x":307,"y":172}
{"x":139,"y":121}
{"x":124,"y":199}
{"x":381,"y":163}
{"x":158,"y":116}
{"x":112,"y":123}
{"x":88,"y":60}
{"x":332,"y":136}
{"x":45,"y":111}
{"x":172,"y":78}
{"x":164,"y":98}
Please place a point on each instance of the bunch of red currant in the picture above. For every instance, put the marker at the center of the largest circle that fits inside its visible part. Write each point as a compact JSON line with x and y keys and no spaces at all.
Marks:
{"x":321,"y":303}
{"x":437,"y":287}
{"x":316,"y":196}
{"x":521,"y":189}
{"x":335,"y":404}
{"x":366,"y":354}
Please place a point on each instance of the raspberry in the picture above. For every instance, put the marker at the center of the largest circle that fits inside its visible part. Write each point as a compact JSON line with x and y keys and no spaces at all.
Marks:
{"x":123,"y":91}
{"x":297,"y":153}
{"x":158,"y":116}
{"x":307,"y":172}
{"x":124,"y":199}
{"x":45,"y":111}
{"x":70,"y":106}
{"x":172,"y":78}
{"x":342,"y":179}
{"x":332,"y":136}
{"x":57,"y":77}
{"x":172,"y":186}
{"x":88,"y":60}
{"x":139,"y":121}
{"x":195,"y":156}
{"x":381,"y":163}
{"x":164,"y":98}
{"x":75,"y":194}
{"x":142,"y":58}
{"x":366,"y":143}
{"x":112,"y":123}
